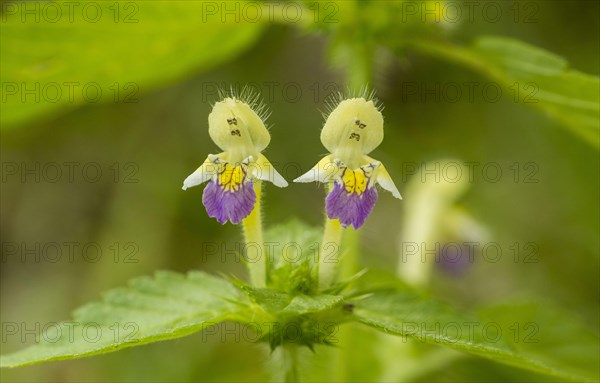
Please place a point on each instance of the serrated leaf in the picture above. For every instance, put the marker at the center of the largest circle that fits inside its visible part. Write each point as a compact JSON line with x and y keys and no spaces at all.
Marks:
{"x":53,"y":62}
{"x":168,"y":306}
{"x":406,"y":313}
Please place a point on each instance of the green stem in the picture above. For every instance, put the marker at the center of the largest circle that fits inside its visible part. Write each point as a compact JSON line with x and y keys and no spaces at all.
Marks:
{"x":283,"y":363}
{"x":351,"y":244}
{"x":291,"y":364}
{"x":347,"y":334}
{"x":257,"y":266}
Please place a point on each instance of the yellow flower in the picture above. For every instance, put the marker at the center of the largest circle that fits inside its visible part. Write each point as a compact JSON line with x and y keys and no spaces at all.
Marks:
{"x":240,"y":132}
{"x":352,"y":130}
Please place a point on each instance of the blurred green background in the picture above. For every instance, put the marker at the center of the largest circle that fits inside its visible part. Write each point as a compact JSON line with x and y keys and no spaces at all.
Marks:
{"x":173,"y":59}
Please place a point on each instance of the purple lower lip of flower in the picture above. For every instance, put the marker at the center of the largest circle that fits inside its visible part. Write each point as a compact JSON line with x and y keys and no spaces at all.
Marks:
{"x":350,"y":208}
{"x":228,"y":205}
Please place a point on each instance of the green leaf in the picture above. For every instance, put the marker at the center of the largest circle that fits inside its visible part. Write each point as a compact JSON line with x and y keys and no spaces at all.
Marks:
{"x":304,"y":304}
{"x":292,"y":252}
{"x":548,"y":334}
{"x":564,"y":350}
{"x":277,"y":303}
{"x":283,"y":318}
{"x":534,"y":77}
{"x":121,"y":49}
{"x":168,"y":306}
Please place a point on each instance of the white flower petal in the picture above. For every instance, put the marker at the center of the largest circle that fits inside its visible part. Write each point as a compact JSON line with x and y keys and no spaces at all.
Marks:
{"x":264,"y":170}
{"x":203,"y":173}
{"x":385,"y":181}
{"x":369,"y":170}
{"x":324,"y":171}
{"x":383,"y":178}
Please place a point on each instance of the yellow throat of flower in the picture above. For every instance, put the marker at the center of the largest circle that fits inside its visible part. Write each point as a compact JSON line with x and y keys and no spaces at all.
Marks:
{"x":231,"y":177}
{"x":355,"y":181}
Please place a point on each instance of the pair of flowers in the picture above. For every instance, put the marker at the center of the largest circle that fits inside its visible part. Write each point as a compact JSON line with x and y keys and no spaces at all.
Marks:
{"x":353,"y":128}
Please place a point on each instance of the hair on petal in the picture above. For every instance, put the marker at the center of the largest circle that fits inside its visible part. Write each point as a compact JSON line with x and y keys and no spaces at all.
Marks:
{"x":334,"y":99}
{"x":249,"y":95}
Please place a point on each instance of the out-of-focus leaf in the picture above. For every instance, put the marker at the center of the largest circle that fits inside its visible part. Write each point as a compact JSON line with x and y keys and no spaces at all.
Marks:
{"x":548,"y":334}
{"x":534,"y":77}
{"x":406,"y":313}
{"x":168,"y":306}
{"x":72,"y":53}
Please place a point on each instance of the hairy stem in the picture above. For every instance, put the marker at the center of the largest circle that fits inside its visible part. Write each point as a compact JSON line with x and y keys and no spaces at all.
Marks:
{"x":256,"y":257}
